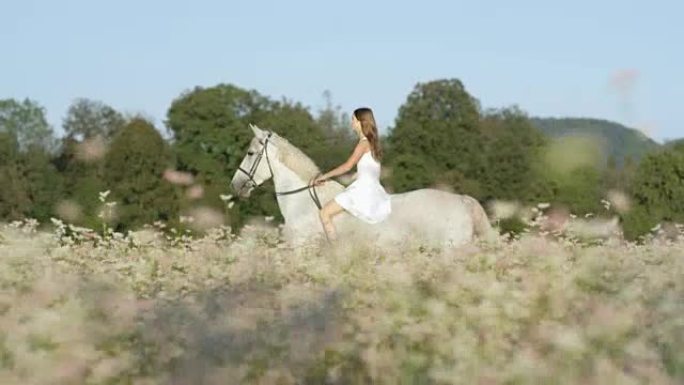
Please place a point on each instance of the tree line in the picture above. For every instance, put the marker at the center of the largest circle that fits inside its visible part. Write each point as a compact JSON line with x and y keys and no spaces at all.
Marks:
{"x":441,"y":138}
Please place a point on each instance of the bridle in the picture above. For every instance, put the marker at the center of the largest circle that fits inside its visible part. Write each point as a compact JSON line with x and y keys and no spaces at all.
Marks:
{"x":252,"y":171}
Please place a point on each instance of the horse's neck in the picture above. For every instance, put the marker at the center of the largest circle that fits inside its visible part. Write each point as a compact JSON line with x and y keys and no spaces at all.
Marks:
{"x":296,"y":206}
{"x":285,"y":179}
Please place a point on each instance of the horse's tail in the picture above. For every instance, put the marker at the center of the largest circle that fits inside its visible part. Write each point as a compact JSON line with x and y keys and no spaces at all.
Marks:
{"x":481,"y":226}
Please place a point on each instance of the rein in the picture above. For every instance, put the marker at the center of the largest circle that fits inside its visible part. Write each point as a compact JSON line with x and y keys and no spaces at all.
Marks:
{"x":250,"y":174}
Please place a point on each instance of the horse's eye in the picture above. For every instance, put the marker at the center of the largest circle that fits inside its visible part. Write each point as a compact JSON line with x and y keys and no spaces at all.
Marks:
{"x":250,"y":153}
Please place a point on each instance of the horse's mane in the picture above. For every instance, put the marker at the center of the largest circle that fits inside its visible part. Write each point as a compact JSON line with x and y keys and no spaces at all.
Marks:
{"x":295,"y":159}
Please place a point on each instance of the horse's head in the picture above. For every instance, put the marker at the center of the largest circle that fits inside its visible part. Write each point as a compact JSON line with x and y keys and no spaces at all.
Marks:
{"x":255,"y":167}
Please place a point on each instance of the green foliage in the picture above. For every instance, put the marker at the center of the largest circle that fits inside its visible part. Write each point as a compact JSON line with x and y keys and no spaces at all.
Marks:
{"x":211,"y":134}
{"x":620,"y":142}
{"x":44,"y":184}
{"x":133,"y":168}
{"x":410,"y":171}
{"x":30,"y":183}
{"x":9,"y":148}
{"x":212,"y":123}
{"x":440,"y":139}
{"x":88,"y":118}
{"x":514,"y":145}
{"x":83,"y":181}
{"x":210,"y":128}
{"x":566,"y":154}
{"x":89,"y":127}
{"x":677,"y":145}
{"x":294,"y":122}
{"x":659,"y":185}
{"x":637,"y":222}
{"x":14,"y":199}
{"x":438,"y":123}
{"x":657,"y":190}
{"x":512,"y":225}
{"x":26,"y":121}
{"x":338,"y":135}
{"x":616,"y":177}
{"x":580,"y":190}
{"x":568,"y":173}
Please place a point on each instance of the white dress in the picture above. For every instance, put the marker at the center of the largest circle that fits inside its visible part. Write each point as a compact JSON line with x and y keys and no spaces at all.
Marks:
{"x":365,"y":198}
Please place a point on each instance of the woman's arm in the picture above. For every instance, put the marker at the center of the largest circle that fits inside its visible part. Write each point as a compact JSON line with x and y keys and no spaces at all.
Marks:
{"x":360,"y":148}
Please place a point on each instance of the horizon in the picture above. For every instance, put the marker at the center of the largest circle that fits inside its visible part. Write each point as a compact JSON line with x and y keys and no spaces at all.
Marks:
{"x":578,"y":60}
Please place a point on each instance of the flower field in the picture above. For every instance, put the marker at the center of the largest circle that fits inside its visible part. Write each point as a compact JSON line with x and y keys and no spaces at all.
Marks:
{"x":155,"y":308}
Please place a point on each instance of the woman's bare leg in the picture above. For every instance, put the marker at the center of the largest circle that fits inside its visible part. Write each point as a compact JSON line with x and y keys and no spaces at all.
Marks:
{"x":327,"y":213}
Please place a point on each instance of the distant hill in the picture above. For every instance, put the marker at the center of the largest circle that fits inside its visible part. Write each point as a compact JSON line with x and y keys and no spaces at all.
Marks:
{"x":618,"y":140}
{"x":676,"y":143}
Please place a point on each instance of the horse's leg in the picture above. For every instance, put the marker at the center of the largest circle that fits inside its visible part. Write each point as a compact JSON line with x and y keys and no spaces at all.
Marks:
{"x":296,"y":236}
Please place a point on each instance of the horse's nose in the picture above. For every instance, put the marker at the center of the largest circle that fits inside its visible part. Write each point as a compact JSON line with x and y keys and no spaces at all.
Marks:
{"x":243,"y":190}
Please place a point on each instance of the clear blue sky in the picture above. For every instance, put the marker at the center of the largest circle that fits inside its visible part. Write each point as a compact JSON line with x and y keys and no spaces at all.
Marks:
{"x":550,"y":58}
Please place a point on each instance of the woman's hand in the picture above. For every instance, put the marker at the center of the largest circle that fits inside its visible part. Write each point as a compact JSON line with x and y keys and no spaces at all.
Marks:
{"x":319,"y":180}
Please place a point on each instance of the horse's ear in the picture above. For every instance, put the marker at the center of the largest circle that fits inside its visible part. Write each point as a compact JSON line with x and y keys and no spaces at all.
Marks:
{"x":258,"y":132}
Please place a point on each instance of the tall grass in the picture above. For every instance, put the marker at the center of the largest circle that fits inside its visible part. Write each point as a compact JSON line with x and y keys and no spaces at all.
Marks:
{"x":152,"y":308}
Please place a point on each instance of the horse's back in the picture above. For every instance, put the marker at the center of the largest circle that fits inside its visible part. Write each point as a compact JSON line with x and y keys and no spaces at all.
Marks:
{"x":430,"y":201}
{"x":426,"y":214}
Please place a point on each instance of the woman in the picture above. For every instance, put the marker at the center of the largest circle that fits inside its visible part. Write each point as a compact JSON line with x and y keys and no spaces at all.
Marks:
{"x":365,"y":198}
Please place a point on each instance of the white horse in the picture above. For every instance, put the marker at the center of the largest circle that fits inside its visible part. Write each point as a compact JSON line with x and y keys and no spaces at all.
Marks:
{"x":428,"y":215}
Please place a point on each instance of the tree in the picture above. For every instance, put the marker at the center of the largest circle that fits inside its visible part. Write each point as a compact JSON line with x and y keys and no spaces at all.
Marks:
{"x":677,"y":144}
{"x":83,"y":180}
{"x":30,"y":184}
{"x":88,"y":118}
{"x":616,"y":177}
{"x":410,"y":171}
{"x":44,"y":184}
{"x":513,"y":146}
{"x":294,"y":122}
{"x":657,"y":190}
{"x":659,"y":184}
{"x":618,"y":141}
{"x":569,"y":172}
{"x":637,"y":222}
{"x":338,"y":135}
{"x":580,"y":190}
{"x":439,"y":123}
{"x":134,"y":167}
{"x":26,"y":121}
{"x":333,"y":120}
{"x":211,"y":133}
{"x":14,"y":199}
{"x":89,"y":127}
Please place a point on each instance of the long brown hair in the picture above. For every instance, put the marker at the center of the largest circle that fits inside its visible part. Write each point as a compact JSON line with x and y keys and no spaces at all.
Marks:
{"x":370,"y":130}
